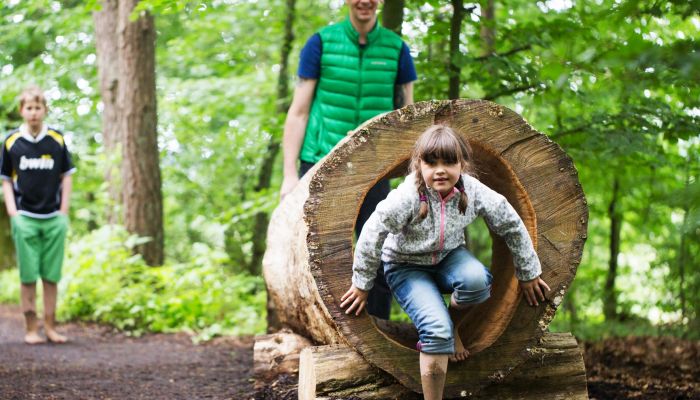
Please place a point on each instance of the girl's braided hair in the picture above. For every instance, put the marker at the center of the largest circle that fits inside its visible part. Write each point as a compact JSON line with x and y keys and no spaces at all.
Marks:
{"x":440,"y":142}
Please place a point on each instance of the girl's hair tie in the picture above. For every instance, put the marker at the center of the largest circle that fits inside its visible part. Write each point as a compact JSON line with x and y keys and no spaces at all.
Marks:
{"x":460,"y":188}
{"x":423,"y":198}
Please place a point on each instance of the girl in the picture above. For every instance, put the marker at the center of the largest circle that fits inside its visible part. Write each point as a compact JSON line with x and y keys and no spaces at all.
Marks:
{"x":417,"y":234}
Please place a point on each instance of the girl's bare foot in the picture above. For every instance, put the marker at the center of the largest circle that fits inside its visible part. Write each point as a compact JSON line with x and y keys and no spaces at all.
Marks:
{"x":55,"y":337}
{"x":461,"y":353}
{"x":33,"y":338}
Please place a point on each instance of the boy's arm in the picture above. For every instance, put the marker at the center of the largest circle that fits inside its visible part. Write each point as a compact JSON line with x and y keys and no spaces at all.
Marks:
{"x":66,"y":190}
{"x":9,"y":195}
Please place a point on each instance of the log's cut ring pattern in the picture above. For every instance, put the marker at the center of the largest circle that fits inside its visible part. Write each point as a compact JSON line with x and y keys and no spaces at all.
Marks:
{"x":531,"y":171}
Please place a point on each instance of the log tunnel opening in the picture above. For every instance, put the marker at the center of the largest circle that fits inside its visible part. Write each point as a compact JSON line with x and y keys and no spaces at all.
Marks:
{"x":485,"y":322}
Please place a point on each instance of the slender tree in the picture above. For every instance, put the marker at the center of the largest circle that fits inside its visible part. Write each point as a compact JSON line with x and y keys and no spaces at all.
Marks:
{"x":392,"y":15}
{"x":265,"y":175}
{"x":454,"y":68}
{"x":141,"y":189}
{"x":105,"y":21}
{"x":609,"y":295}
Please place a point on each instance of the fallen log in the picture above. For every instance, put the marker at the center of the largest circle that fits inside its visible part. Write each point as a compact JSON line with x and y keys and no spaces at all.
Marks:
{"x":556,"y":371}
{"x":308,"y":263}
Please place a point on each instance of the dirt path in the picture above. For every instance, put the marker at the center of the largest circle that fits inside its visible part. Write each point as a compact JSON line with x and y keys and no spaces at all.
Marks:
{"x":100,"y":364}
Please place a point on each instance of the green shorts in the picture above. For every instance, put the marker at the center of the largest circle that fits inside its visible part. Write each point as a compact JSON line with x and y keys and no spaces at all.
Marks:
{"x":39,"y":244}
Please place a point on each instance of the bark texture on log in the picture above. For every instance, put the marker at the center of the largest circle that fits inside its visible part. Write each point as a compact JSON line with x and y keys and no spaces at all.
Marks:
{"x":308,"y":264}
{"x":276,"y":354}
{"x":555,"y":371}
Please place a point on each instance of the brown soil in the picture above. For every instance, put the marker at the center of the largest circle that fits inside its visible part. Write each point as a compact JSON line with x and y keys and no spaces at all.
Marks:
{"x":99,"y":363}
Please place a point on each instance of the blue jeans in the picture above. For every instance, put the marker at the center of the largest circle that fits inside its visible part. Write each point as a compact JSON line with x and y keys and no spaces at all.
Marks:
{"x":418,"y":290}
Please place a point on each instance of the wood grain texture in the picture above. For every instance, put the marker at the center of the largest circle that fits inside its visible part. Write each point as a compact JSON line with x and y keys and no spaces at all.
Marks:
{"x":313,"y":253}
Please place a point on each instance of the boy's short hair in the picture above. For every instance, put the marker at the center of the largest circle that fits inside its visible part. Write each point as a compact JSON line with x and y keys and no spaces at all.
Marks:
{"x":32,"y":93}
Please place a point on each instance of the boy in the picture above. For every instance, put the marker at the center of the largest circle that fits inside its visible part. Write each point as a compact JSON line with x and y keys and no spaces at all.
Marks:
{"x":36,"y":182}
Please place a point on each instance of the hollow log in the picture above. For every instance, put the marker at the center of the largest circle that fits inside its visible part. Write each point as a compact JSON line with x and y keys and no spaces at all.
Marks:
{"x":338,"y":371}
{"x":308,"y":263}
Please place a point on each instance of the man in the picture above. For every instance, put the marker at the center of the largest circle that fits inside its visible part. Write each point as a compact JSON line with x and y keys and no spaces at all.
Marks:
{"x":349,"y":72}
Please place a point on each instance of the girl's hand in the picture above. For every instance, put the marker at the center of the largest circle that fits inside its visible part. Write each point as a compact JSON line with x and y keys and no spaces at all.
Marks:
{"x":355,"y":298}
{"x":534,"y":289}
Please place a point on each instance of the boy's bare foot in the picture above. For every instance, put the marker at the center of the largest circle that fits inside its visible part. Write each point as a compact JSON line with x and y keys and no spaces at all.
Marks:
{"x":461,"y":353}
{"x":33,"y":338}
{"x":55,"y":337}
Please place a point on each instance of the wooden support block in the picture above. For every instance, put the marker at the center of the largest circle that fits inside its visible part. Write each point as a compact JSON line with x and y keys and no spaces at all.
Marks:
{"x":555,"y":370}
{"x":276,"y":354}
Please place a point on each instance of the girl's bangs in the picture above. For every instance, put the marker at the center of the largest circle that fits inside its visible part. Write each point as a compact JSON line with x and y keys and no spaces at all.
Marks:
{"x":441,"y":147}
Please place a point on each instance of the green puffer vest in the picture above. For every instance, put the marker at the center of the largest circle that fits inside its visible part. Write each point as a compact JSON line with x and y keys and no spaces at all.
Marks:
{"x":356,"y":84}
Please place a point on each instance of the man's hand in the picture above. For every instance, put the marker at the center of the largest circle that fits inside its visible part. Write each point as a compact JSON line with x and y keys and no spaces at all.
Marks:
{"x":534,"y":289}
{"x":355,"y":298}
{"x":288,"y":184}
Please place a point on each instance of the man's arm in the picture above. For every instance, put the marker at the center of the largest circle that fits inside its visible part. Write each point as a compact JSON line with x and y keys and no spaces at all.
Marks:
{"x":9,"y":197}
{"x":405,"y":94}
{"x":294,"y":131}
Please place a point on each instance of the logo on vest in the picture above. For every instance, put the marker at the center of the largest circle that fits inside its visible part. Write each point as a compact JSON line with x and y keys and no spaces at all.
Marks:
{"x":378,"y":63}
{"x":45,"y":162}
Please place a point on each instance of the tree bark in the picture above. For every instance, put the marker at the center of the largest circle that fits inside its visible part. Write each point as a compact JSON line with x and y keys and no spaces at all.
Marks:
{"x":609,"y":295}
{"x":277,"y":354}
{"x":7,"y":246}
{"x":106,"y":47}
{"x":488,"y":27}
{"x":454,"y":69}
{"x":143,"y":209}
{"x":392,"y":15}
{"x":308,"y":263}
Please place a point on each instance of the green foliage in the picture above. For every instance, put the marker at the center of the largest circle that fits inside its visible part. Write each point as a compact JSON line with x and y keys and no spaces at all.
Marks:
{"x":104,"y":282}
{"x":9,"y":286}
{"x":613,"y":82}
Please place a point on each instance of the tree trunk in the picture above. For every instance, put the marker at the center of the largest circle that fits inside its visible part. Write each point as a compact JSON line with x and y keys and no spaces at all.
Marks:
{"x":392,"y":15}
{"x":609,"y":295}
{"x":143,"y":209}
{"x":7,"y":247}
{"x":683,"y":250}
{"x":488,"y":27}
{"x":455,"y":69}
{"x":264,"y":177}
{"x":308,"y":263}
{"x":556,"y":371}
{"x":106,"y":47}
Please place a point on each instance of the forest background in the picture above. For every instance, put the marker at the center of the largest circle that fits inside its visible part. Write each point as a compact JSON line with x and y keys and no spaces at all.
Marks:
{"x":615,"y":83}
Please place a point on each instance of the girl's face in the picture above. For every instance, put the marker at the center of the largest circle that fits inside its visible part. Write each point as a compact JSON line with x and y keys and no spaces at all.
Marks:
{"x":440,"y":175}
{"x":33,"y":113}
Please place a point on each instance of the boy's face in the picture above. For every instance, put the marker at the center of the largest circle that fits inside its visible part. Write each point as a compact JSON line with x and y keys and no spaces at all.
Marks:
{"x":33,"y":113}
